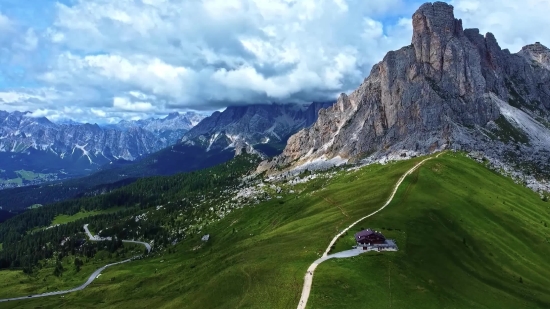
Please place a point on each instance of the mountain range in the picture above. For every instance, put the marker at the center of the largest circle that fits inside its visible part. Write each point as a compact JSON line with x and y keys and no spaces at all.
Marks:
{"x":262,"y":129}
{"x":34,"y":150}
{"x":171,"y":128}
{"x":449,"y":89}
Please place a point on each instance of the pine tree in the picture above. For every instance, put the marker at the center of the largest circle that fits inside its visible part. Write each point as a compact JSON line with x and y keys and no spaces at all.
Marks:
{"x":77,"y":264}
{"x":58,"y":271}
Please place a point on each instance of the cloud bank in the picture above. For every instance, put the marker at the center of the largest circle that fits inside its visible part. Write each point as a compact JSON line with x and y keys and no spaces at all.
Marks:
{"x":103,"y":60}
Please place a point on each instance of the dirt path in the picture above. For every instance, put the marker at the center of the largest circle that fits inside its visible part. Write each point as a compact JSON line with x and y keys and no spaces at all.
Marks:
{"x":333,"y":203}
{"x":308,"y":279}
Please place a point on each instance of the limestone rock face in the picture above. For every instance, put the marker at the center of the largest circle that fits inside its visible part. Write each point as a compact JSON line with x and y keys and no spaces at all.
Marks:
{"x":442,"y":91}
{"x":241,"y":127}
{"x":537,"y":53}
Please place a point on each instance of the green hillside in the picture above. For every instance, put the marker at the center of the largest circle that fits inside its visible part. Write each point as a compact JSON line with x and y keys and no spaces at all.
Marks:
{"x":466,"y":236}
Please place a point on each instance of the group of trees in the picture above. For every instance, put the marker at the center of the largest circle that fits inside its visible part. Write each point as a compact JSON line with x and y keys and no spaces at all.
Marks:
{"x":27,"y":240}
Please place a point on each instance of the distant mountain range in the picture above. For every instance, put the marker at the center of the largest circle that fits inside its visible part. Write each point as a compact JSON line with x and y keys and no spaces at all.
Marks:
{"x":171,"y":128}
{"x":34,"y":150}
{"x":258,"y":128}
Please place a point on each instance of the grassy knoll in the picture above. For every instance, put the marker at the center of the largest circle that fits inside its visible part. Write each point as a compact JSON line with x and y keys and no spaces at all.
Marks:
{"x":467,"y":236}
{"x":62,"y":219}
{"x":256,"y":257}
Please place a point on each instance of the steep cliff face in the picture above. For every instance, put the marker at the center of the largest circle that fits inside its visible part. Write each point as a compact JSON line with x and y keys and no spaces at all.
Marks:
{"x":451,"y":88}
{"x":245,"y":126}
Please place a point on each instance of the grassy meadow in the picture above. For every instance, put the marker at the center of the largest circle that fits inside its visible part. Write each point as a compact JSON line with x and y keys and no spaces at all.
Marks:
{"x":466,"y":236}
{"x":63,"y":219}
{"x":24,"y":175}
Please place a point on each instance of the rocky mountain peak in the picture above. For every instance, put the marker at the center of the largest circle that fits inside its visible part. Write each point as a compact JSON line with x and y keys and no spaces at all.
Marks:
{"x":452,"y":88}
{"x":434,"y":25}
{"x":344,"y":103}
{"x":538,"y":53}
{"x":172,"y":115}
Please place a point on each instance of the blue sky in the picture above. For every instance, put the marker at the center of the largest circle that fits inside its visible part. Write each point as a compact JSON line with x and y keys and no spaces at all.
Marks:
{"x":104,"y":60}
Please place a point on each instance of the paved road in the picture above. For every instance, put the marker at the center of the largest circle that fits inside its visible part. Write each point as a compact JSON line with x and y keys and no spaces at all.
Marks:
{"x":96,"y":238}
{"x":308,"y":279}
{"x":91,"y":278}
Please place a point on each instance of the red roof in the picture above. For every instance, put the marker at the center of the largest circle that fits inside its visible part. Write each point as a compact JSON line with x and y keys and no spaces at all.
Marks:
{"x":366,"y":233}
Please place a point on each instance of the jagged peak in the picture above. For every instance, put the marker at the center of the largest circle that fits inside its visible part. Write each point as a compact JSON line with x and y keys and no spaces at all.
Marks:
{"x":536,"y":48}
{"x":434,"y":25}
{"x":538,"y":53}
{"x":343,"y":102}
{"x":173,"y":115}
{"x":437,"y":17}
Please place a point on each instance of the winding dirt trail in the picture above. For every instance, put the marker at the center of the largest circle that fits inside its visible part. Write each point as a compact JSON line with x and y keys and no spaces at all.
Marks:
{"x":308,"y":279}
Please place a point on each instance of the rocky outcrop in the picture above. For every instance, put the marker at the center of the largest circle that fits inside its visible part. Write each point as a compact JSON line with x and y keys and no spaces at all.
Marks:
{"x":443,"y":91}
{"x":244,"y":126}
{"x":537,"y":54}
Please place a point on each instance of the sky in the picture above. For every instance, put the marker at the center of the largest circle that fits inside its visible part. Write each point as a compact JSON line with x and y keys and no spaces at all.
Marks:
{"x":103,"y":60}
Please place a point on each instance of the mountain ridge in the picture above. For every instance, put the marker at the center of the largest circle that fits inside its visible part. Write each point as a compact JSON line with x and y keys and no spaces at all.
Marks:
{"x":68,"y":149}
{"x":253,"y":125}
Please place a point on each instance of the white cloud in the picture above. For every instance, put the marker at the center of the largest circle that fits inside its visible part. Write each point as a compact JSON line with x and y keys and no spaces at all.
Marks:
{"x":98,"y":112}
{"x":29,"y":41}
{"x":40,"y":113}
{"x":213,"y":52}
{"x":514,"y":23}
{"x":126,"y":104}
{"x":5,"y":23}
{"x":131,"y":58}
{"x":15,"y":97}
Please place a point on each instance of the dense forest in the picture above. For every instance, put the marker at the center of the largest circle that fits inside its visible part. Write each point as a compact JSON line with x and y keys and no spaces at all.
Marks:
{"x":29,"y":237}
{"x":5,"y":215}
{"x":172,"y":160}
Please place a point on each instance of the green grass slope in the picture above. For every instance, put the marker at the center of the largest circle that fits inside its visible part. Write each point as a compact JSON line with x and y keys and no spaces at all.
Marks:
{"x":257,"y":256}
{"x":62,"y":219}
{"x":17,"y":283}
{"x":467,"y":236}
